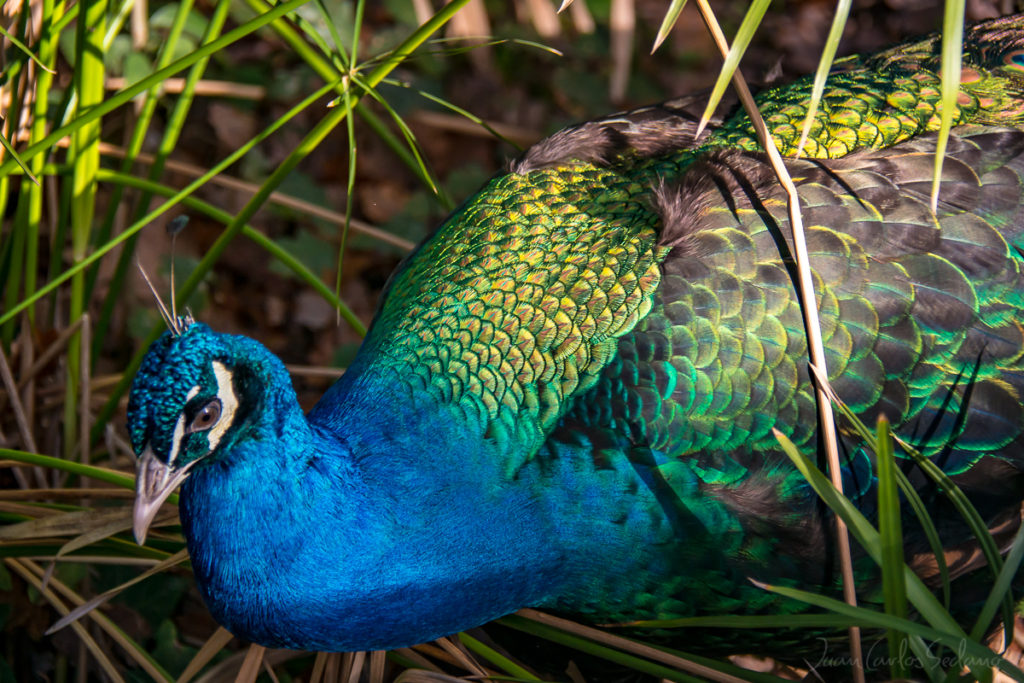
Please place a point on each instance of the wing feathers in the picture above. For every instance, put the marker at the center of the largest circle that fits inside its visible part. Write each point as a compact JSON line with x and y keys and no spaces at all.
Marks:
{"x":909,"y":301}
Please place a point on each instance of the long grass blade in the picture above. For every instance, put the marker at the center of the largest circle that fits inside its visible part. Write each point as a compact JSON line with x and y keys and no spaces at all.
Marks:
{"x":13,"y":39}
{"x":172,"y":132}
{"x":671,"y":16}
{"x":134,"y":650}
{"x":91,"y":604}
{"x":906,"y":488}
{"x":496,"y":658}
{"x":977,"y":655}
{"x":732,"y":60}
{"x":1001,"y":589}
{"x":952,"y":57}
{"x":890,"y":533}
{"x":828,"y":55}
{"x":13,"y":153}
{"x":84,"y":155}
{"x":282,"y":255}
{"x":636,"y":655}
{"x":123,"y":97}
{"x":333,"y":118}
{"x":756,"y":621}
{"x":92,"y":471}
{"x":868,"y":537}
{"x":104,"y":249}
{"x":971,"y":517}
{"x":455,"y":108}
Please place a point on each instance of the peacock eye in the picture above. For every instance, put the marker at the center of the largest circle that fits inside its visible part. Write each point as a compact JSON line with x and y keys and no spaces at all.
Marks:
{"x":206,"y":417}
{"x":1014,"y":59}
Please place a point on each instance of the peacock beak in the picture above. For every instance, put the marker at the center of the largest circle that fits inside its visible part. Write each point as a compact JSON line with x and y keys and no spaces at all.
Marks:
{"x":154,"y":482}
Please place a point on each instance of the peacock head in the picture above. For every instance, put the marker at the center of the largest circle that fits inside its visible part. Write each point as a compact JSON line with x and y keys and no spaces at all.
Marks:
{"x":188,"y":403}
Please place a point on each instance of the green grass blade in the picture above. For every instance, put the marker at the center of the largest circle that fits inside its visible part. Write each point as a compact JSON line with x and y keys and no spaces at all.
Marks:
{"x":971,"y":516}
{"x":102,"y":250}
{"x":610,"y":654}
{"x":27,"y":52}
{"x":671,"y":16}
{"x":282,"y":255}
{"x":828,"y":55}
{"x":460,"y":111}
{"x":912,"y":497}
{"x":350,"y":189}
{"x":303,"y":149}
{"x":952,"y":56}
{"x":91,"y":471}
{"x":84,"y":154}
{"x":172,"y":133}
{"x":890,"y":533}
{"x":732,"y":61}
{"x":758,"y":621}
{"x":496,"y":658}
{"x":339,"y":48}
{"x":326,"y":125}
{"x":926,"y":659}
{"x":357,"y":27}
{"x":5,"y":143}
{"x":405,"y":155}
{"x":123,"y":97}
{"x":329,"y":72}
{"x":412,"y":143}
{"x":980,"y":658}
{"x":1001,"y":589}
{"x":917,"y":593}
{"x":140,"y":131}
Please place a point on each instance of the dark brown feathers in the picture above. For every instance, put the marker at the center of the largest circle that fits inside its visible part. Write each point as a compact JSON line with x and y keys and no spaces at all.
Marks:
{"x":644,"y":133}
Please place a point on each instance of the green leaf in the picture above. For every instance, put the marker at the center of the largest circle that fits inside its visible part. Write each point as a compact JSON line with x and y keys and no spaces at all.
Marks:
{"x":671,"y":16}
{"x":891,"y":537}
{"x":952,"y":56}
{"x":732,"y":61}
{"x":136,"y":66}
{"x":1002,"y":588}
{"x":828,"y":55}
{"x":21,"y":46}
{"x":97,"y":473}
{"x":5,"y":143}
{"x":979,"y":658}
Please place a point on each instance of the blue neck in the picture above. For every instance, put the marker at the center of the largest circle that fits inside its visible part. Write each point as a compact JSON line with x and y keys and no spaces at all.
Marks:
{"x":394,"y":540}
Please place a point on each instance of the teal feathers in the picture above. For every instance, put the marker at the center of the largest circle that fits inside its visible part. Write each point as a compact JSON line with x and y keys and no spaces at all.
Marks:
{"x":567,"y":398}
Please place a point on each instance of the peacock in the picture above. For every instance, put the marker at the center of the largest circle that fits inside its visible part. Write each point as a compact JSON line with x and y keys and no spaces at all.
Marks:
{"x":569,"y":396}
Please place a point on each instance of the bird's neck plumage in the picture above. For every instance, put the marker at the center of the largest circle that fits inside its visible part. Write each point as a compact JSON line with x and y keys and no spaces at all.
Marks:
{"x":587,"y":550}
{"x":308,"y":530}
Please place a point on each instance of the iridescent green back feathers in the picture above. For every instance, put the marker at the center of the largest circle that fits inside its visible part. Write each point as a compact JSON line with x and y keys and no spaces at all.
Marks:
{"x":521,"y":299}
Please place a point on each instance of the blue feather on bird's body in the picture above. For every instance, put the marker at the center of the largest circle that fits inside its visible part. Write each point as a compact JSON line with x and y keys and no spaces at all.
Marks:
{"x":569,"y":395}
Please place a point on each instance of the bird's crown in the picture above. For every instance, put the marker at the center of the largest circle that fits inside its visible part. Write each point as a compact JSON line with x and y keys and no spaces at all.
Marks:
{"x":183,"y":399}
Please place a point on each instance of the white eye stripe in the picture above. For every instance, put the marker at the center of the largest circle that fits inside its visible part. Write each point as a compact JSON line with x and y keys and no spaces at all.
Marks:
{"x":179,"y":428}
{"x":228,"y":402}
